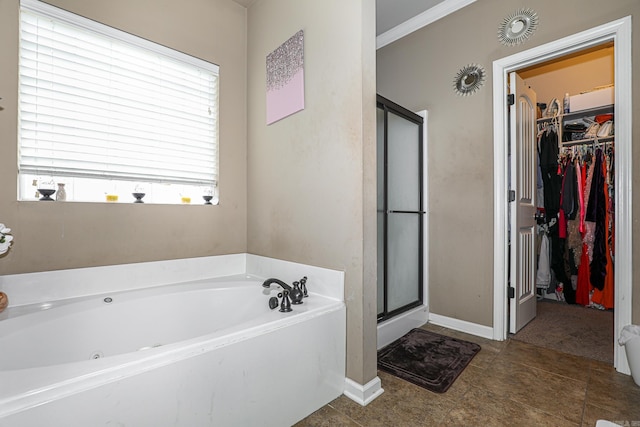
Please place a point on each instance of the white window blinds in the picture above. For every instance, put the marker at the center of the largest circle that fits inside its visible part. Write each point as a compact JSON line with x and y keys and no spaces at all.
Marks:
{"x":96,"y":102}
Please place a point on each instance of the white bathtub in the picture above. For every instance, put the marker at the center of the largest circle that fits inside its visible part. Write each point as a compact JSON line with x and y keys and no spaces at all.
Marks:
{"x":207,"y":352}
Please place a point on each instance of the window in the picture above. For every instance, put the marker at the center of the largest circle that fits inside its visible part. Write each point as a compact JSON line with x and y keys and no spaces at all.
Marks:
{"x":110,"y":114}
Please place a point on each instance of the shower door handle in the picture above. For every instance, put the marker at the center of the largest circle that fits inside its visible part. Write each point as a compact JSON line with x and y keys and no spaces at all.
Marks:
{"x":413,"y":212}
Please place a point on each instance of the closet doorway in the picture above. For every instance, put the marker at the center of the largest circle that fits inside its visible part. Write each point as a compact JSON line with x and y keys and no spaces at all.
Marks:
{"x":617,"y":33}
{"x":569,"y":306}
{"x":400,"y":218}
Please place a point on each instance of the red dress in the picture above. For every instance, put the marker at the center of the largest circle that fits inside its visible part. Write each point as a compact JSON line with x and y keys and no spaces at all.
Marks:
{"x":605,"y":297}
{"x":584,"y":283}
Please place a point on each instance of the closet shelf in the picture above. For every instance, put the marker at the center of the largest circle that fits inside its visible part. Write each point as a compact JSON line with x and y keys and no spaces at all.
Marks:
{"x":579,"y":114}
{"x":586,"y":116}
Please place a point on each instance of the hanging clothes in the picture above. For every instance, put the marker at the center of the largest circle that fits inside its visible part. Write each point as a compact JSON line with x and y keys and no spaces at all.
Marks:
{"x":568,"y":197}
{"x":574,"y":241}
{"x":562,"y":218}
{"x":583,"y":285}
{"x":589,"y":226}
{"x":543,"y":273}
{"x":605,"y":297}
{"x":566,"y":210}
{"x":569,"y":190}
{"x":539,"y":186}
{"x":581,"y":193}
{"x":596,"y":212}
{"x":552,"y":180}
{"x":574,"y":236}
{"x":548,"y":154}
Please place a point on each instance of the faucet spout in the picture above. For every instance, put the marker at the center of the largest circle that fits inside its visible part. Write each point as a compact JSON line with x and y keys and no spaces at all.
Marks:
{"x":267,"y":283}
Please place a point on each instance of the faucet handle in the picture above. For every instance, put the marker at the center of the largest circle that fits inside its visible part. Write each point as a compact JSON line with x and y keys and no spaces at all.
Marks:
{"x":303,"y":285}
{"x":296,"y":294}
{"x":285,"y":305}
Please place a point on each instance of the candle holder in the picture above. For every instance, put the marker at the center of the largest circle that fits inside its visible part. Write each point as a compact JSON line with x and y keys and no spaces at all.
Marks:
{"x":46,"y":188}
{"x":138,"y":193}
{"x":208,"y":195}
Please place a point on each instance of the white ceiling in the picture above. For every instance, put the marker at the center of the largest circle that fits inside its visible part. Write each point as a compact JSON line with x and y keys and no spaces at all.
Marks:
{"x":391,"y":13}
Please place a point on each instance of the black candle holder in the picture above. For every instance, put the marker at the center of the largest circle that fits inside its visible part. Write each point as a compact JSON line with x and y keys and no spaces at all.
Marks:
{"x":46,"y":194}
{"x":138,"y":197}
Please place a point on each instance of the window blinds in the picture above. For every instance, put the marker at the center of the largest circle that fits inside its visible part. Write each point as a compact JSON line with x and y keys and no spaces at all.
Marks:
{"x":96,"y":102}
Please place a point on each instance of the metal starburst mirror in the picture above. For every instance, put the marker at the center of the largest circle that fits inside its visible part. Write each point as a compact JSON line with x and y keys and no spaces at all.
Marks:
{"x":469,"y":79}
{"x":517,"y":27}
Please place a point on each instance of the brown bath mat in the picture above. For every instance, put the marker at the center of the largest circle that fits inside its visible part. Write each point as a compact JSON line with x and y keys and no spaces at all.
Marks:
{"x":427,"y":359}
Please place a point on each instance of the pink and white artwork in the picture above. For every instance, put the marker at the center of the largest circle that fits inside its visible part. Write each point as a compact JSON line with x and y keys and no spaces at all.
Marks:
{"x":285,"y":79}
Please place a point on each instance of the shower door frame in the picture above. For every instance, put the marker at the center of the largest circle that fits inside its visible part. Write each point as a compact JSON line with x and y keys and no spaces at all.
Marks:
{"x":389,"y":106}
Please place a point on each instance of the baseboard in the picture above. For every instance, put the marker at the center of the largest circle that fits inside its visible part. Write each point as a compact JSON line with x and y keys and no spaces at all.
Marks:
{"x":396,"y":327}
{"x":462,"y":326}
{"x":363,"y":394}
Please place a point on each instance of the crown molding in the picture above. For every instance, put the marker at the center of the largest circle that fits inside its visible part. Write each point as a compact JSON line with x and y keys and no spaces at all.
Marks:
{"x":425,"y":18}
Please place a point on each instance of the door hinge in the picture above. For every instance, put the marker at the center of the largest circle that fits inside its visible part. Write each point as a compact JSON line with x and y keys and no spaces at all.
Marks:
{"x":511,"y":99}
{"x":512,"y":292}
{"x":512,"y":195}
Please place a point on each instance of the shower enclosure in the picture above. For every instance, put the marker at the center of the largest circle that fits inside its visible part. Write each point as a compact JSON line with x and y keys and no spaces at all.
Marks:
{"x":400,"y":209}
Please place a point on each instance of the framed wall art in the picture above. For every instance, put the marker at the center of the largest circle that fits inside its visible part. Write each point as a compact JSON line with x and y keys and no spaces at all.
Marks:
{"x":285,"y":79}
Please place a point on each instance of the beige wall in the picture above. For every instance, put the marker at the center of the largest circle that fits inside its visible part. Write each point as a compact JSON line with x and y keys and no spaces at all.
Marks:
{"x":311,"y":176}
{"x":417,"y":72}
{"x":305,"y":189}
{"x":51,"y":236}
{"x":573,"y":75}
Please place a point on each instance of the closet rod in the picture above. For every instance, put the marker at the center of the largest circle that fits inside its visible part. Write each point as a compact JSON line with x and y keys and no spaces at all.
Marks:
{"x":597,"y":142}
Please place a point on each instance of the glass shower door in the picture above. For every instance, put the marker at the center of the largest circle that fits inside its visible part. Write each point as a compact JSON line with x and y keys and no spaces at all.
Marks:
{"x":400,"y":209}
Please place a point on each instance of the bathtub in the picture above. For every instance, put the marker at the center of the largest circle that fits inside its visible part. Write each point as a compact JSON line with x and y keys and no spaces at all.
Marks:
{"x":201,"y":353}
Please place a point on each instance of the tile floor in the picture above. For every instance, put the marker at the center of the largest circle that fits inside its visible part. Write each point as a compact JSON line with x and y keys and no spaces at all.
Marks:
{"x":508,"y":383}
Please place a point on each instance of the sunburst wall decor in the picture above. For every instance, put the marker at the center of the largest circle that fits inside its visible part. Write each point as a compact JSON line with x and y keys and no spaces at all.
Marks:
{"x":469,"y":79}
{"x":517,"y":27}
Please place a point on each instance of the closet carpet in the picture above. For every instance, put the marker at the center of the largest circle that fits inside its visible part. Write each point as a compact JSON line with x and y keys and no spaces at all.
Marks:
{"x":571,"y":329}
